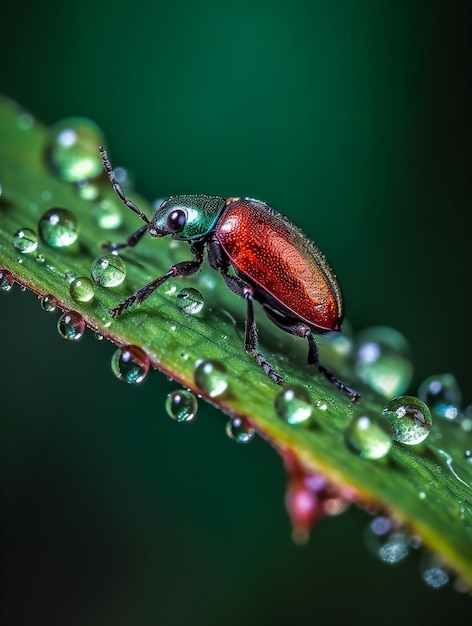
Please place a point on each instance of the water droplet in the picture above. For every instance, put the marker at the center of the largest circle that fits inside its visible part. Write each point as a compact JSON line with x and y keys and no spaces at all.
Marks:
{"x":181,"y":405}
{"x":468,"y":456}
{"x":130,"y":364}
{"x":384,"y":542}
{"x":293,"y":404}
{"x":59,"y":228}
{"x":211,"y":377}
{"x":25,"y":240}
{"x":109,"y":270}
{"x":394,"y":549}
{"x":410,"y":419}
{"x":6,"y":280}
{"x":369,"y":435}
{"x":239,"y":430}
{"x":48,"y":304}
{"x":73,"y":148}
{"x":382,"y":360}
{"x":108,"y":214}
{"x":190,"y":300}
{"x":87,"y":190}
{"x":432,"y":573}
{"x":71,"y":325}
{"x":82,"y":289}
{"x":40,"y":258}
{"x":442,"y":394}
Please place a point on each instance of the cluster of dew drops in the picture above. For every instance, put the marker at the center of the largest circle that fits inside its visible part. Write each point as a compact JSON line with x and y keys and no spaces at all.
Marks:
{"x":380,"y":357}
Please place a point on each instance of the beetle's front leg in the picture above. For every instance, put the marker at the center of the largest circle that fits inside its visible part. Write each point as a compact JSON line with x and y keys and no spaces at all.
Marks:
{"x":184,"y":268}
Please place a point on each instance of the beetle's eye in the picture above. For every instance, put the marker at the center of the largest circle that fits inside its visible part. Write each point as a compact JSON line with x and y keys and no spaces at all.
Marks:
{"x":176,"y":220}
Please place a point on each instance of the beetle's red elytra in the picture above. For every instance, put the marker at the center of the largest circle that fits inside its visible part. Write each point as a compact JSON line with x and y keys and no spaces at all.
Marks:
{"x":261,"y":255}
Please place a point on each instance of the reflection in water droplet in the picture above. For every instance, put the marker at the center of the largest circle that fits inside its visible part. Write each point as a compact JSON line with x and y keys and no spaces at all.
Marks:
{"x":293,"y":404}
{"x":382,"y":360}
{"x":6,"y":280}
{"x":48,"y":303}
{"x":442,"y":394}
{"x":108,"y":270}
{"x":238,"y":430}
{"x":71,"y":325}
{"x":410,"y":419}
{"x":368,"y":434}
{"x":81,"y":289}
{"x":190,"y":301}
{"x":59,"y":228}
{"x":73,"y":149}
{"x":130,"y":364}
{"x":25,"y":240}
{"x":181,"y":405}
{"x":211,"y":377}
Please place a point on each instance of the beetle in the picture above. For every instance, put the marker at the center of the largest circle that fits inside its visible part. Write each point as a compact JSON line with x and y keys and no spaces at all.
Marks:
{"x":261,"y":255}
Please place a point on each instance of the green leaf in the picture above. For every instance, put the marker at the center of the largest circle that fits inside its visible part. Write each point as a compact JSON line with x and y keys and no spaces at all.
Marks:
{"x":426,"y":487}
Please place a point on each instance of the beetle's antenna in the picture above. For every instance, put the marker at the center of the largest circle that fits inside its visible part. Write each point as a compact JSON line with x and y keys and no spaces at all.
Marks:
{"x":116,"y":185}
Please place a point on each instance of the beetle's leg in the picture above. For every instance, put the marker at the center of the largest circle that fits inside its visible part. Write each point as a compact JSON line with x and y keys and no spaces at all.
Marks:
{"x":129,"y":243}
{"x":239,"y":287}
{"x":117,"y":187}
{"x":184,"y":268}
{"x":300,"y":329}
{"x":314,"y":360}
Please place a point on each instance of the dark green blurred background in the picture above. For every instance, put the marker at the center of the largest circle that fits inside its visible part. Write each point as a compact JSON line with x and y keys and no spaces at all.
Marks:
{"x":351,"y":117}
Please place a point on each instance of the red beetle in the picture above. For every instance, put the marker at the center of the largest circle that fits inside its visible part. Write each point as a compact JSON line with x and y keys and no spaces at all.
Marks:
{"x":274,"y":263}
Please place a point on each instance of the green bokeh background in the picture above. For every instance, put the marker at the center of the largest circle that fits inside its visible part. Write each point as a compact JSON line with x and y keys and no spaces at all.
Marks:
{"x":353,"y":118}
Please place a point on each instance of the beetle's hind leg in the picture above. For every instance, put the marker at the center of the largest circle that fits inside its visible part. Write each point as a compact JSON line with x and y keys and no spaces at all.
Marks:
{"x":314,"y":360}
{"x":300,"y":329}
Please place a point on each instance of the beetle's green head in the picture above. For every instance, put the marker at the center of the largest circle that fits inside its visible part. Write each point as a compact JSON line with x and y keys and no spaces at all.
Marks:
{"x":186,"y":217}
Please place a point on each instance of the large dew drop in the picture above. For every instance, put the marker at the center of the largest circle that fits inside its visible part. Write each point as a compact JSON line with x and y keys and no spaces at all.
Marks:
{"x":410,"y":419}
{"x":369,"y":435}
{"x":71,"y":325}
{"x":442,"y":394}
{"x":59,"y":228}
{"x":130,"y":364}
{"x":108,"y":270}
{"x":293,"y":405}
{"x":238,"y":430}
{"x":190,"y":301}
{"x":181,"y":405}
{"x":73,"y":149}
{"x":25,"y":240}
{"x":81,"y":289}
{"x":382,"y":360}
{"x":211,"y":377}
